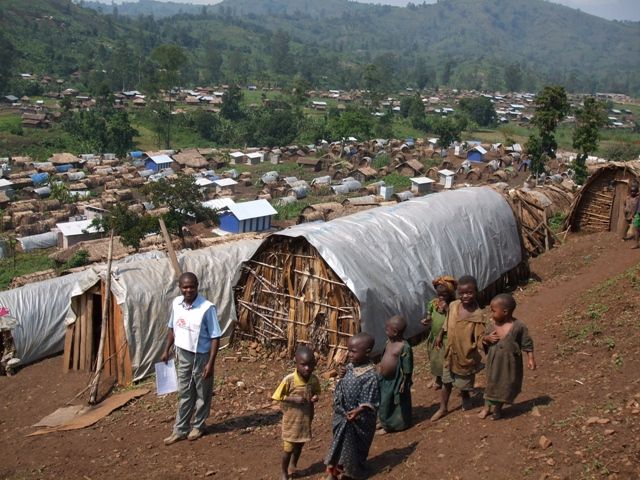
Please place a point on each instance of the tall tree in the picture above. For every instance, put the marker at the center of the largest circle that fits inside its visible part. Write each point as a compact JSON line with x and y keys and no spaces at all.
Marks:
{"x":212,"y":62}
{"x":552,"y":107}
{"x":170,"y":59}
{"x":231,"y":103}
{"x":299,"y":88}
{"x":280,"y":56}
{"x":424,"y":73}
{"x":183,"y":199}
{"x":120,"y":133}
{"x":7,"y":59}
{"x":122,"y":65}
{"x":374,"y":84}
{"x":513,"y":77}
{"x":590,"y":118}
{"x":416,"y":113}
{"x":480,"y":110}
{"x":448,"y":130}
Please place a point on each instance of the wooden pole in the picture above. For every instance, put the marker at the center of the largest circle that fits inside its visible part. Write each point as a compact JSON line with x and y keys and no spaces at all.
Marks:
{"x":106,"y":302}
{"x":172,"y":254}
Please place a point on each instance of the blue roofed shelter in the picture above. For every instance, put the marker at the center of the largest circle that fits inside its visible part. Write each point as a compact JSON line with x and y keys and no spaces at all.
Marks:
{"x":158,"y":162}
{"x":476,"y":154}
{"x":254,"y":216}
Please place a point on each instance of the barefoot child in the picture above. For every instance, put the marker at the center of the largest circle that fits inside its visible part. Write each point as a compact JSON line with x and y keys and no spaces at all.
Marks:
{"x":504,"y":343}
{"x":436,"y":315}
{"x":464,"y":328}
{"x":396,"y":368}
{"x":630,"y":208}
{"x":298,"y":392}
{"x":355,"y":402}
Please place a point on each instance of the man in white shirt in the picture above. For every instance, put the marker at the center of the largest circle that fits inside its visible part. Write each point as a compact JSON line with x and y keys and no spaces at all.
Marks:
{"x":195,"y":333}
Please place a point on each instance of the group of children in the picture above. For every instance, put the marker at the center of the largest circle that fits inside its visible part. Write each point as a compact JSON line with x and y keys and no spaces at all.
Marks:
{"x":369,"y":398}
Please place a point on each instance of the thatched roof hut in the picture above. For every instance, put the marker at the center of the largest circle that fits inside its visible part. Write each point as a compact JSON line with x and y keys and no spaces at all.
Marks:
{"x":599,"y":205}
{"x":319,"y":283}
{"x":63,"y":158}
{"x":190,"y":158}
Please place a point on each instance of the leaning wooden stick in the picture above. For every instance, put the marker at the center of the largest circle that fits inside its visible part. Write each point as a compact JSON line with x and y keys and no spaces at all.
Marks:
{"x":172,"y":254}
{"x":95,"y":381}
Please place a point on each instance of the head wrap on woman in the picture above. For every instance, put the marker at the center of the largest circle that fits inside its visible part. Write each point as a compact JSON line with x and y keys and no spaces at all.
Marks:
{"x":448,"y":282}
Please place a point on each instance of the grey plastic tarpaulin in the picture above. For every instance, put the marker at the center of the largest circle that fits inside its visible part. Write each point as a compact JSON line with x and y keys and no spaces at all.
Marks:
{"x":41,"y":311}
{"x":388,"y":256}
{"x":144,"y":290}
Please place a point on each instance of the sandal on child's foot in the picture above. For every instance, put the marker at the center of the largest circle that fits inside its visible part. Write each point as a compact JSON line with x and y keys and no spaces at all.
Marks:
{"x":497,"y":415}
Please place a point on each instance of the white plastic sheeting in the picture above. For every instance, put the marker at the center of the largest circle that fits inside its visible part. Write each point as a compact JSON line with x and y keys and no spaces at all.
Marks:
{"x":145,"y":289}
{"x":41,"y":309}
{"x":35,"y":242}
{"x":388,"y":256}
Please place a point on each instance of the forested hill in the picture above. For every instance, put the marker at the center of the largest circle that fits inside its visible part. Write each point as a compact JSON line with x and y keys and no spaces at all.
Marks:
{"x":545,"y":36}
{"x":481,"y":44}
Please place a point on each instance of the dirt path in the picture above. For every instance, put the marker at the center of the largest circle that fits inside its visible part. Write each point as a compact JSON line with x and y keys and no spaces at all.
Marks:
{"x":582,"y":316}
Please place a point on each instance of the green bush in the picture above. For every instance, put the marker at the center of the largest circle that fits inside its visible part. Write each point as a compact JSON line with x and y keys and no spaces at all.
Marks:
{"x":80,"y":258}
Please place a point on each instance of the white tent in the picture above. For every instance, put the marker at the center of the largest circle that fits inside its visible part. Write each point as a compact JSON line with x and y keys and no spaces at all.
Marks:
{"x":144,"y":290}
{"x":41,"y":309}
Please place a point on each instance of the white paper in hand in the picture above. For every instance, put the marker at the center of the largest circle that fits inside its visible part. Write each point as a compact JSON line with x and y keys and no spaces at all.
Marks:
{"x":166,"y":379}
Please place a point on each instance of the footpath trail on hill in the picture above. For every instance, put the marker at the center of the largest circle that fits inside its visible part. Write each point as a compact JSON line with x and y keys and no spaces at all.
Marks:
{"x":584,"y":399}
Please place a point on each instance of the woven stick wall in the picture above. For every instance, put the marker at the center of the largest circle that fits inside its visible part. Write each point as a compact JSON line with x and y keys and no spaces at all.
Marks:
{"x":599,"y":203}
{"x":291,"y":296}
{"x":533,"y":209}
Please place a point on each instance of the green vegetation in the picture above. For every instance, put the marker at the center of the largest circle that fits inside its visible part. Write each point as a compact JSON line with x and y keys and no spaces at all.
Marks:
{"x":480,"y":110}
{"x":79,"y":259}
{"x":24,"y":264}
{"x":552,"y":105}
{"x":556,"y":222}
{"x":290,"y":211}
{"x":512,"y":45}
{"x":399,"y":182}
{"x":590,"y":118}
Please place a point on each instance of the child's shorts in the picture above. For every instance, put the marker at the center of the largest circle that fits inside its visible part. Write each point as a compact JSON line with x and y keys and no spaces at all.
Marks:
{"x":461,"y":382}
{"x":636,"y":220}
{"x":290,"y":446}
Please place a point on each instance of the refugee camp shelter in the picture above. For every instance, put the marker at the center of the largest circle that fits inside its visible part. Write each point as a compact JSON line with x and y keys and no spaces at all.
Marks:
{"x":253,"y":216}
{"x":41,"y":309}
{"x":5,"y":184}
{"x":422,"y":185}
{"x":476,"y":154}
{"x":139,"y":309}
{"x":599,"y":205}
{"x":236,"y":158}
{"x":71,"y":233}
{"x":224,"y":183}
{"x":319,"y":283}
{"x":156,"y":163}
{"x":254,"y":158}
{"x":446,"y":177}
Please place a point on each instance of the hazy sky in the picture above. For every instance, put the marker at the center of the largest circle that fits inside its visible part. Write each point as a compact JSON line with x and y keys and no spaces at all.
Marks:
{"x":610,"y":9}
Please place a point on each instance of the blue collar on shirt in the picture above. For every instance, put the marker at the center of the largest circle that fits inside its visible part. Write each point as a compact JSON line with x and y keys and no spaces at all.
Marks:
{"x":196,"y":302}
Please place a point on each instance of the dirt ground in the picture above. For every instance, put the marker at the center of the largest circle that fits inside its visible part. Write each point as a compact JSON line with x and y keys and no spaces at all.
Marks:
{"x":582,"y":310}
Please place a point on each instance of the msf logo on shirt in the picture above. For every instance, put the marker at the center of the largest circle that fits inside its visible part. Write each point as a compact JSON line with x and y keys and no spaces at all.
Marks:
{"x":182,"y":323}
